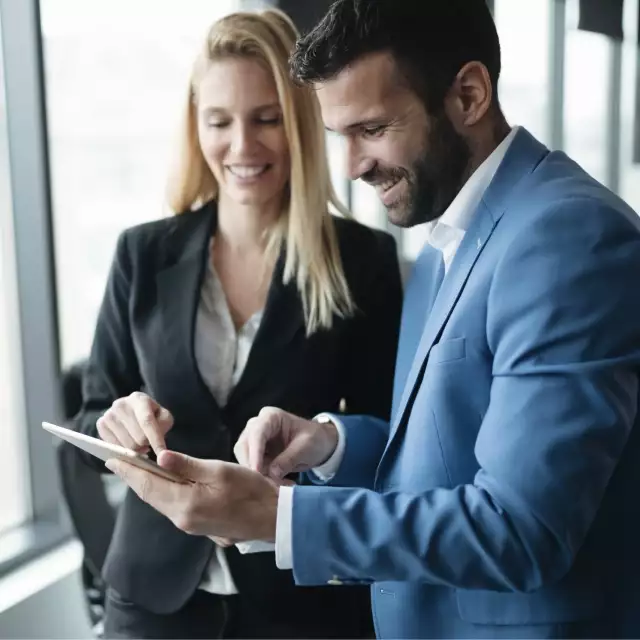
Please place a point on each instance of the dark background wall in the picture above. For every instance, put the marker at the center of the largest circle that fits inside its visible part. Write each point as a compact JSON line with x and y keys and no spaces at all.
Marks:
{"x":305,"y":13}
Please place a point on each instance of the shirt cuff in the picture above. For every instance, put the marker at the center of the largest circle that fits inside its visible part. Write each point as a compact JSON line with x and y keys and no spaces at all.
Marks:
{"x":328,"y":469}
{"x":284,"y":518}
{"x":254,"y":546}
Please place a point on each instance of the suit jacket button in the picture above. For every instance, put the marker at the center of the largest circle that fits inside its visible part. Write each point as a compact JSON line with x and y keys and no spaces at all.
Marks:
{"x":335,"y":581}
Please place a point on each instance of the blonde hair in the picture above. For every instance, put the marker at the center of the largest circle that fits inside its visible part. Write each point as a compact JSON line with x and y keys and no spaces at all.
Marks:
{"x":305,"y":226}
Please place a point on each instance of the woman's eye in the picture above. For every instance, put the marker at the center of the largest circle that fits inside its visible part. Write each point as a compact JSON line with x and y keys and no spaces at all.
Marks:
{"x":270,"y":121}
{"x":216,"y":124}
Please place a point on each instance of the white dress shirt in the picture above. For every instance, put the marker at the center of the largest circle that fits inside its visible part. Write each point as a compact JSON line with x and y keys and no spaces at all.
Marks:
{"x":221,"y":354}
{"x":445,"y":234}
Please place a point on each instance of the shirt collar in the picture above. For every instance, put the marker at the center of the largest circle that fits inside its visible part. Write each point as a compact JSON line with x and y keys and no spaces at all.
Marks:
{"x":459,"y":213}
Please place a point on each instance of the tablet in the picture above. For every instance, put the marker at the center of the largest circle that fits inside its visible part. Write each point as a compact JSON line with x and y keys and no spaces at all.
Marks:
{"x":107,"y":451}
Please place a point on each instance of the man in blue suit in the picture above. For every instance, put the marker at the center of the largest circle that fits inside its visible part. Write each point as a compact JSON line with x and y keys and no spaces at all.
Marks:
{"x":501,"y":500}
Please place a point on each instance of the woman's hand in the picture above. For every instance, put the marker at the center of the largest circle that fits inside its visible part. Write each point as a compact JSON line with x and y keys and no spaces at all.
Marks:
{"x":136,"y":422}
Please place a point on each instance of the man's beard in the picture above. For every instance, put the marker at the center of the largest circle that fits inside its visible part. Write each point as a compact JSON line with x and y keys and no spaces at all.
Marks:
{"x":434,"y":179}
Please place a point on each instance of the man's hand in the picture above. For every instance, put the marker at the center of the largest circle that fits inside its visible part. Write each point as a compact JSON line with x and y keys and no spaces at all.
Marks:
{"x":225,"y":500}
{"x":276,"y":443}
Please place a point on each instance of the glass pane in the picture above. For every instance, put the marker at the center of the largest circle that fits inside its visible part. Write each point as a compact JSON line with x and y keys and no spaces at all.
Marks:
{"x":337,"y":156}
{"x":524,"y":30}
{"x":116,"y":74}
{"x":366,"y":205}
{"x":630,"y":171}
{"x":585,"y":112}
{"x":14,"y":497}
{"x":413,"y":241}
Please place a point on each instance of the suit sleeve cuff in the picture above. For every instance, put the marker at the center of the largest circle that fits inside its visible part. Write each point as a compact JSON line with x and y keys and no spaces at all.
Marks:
{"x":284,"y":518}
{"x":328,"y":469}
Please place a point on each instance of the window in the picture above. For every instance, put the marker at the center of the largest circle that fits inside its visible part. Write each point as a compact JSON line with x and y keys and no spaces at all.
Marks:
{"x":337,"y":158}
{"x":367,"y":207}
{"x":587,"y":78}
{"x":630,"y":170}
{"x":14,"y":498}
{"x":116,"y":74}
{"x":524,"y":31}
{"x":413,"y":241}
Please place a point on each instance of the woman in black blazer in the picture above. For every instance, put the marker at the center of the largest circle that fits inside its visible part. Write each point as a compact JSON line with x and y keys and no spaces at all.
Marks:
{"x":254,"y":295}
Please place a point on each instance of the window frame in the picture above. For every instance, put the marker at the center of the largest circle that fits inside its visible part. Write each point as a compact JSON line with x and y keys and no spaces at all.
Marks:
{"x":49,"y":524}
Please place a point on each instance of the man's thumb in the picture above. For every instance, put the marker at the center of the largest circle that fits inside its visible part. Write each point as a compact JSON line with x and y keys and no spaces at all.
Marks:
{"x":183,"y":465}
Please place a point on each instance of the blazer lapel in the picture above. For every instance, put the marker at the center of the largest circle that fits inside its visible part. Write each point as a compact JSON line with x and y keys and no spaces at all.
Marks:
{"x":283,"y":319}
{"x":419,"y":295}
{"x":179,"y":282}
{"x":450,"y":290}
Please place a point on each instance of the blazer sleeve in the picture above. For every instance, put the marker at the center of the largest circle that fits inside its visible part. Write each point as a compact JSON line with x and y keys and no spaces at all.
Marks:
{"x":566,"y":354}
{"x":112,"y":369}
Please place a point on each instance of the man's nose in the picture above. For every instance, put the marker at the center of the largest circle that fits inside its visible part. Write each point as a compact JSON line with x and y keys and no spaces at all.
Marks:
{"x":357,"y":162}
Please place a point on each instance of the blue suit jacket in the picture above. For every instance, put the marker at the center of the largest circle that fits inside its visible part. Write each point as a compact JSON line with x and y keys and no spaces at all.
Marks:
{"x":503,"y":500}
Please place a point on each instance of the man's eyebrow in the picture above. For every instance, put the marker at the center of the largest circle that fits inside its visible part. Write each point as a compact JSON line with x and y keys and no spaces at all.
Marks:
{"x":361,"y":124}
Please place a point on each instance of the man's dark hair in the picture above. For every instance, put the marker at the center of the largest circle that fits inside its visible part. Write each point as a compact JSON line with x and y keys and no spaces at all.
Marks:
{"x":430,"y":40}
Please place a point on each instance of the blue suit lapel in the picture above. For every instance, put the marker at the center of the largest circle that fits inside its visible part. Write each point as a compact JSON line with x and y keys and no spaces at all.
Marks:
{"x":452,"y":285}
{"x":419,"y":296}
{"x":524,"y":154}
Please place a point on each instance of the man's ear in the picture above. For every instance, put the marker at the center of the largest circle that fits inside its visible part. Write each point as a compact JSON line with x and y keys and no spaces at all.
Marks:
{"x":470,"y":96}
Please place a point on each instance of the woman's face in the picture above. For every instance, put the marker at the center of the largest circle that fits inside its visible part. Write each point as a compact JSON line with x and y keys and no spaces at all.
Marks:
{"x":241,"y":131}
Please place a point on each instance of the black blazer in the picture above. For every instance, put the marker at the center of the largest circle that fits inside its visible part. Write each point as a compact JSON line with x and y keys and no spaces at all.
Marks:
{"x":144,"y":340}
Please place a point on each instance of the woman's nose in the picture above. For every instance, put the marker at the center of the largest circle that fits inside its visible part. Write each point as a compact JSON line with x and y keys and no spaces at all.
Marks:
{"x":243,"y":138}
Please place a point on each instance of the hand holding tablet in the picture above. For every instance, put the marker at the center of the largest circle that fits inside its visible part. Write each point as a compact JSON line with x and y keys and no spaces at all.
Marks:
{"x":107,"y":451}
{"x":217,"y":514}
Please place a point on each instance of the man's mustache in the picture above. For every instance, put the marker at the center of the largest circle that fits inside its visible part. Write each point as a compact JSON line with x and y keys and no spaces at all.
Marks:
{"x":376,"y":175}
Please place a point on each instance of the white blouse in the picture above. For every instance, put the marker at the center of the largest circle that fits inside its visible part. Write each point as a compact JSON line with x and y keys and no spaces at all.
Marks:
{"x":221,"y":355}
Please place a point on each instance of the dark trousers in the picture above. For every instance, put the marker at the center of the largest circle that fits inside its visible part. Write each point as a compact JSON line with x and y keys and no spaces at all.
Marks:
{"x":205,"y":615}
